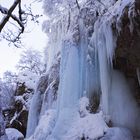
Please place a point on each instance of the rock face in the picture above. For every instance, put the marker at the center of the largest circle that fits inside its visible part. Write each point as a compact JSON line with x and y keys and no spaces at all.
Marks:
{"x":127,"y":54}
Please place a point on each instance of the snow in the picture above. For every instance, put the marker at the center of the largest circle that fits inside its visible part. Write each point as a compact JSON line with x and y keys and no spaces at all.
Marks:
{"x":45,"y":126}
{"x":92,"y":126}
{"x":72,"y":127}
{"x":117,"y":134}
{"x":83,"y":105}
{"x":14,"y":134}
{"x":4,"y":137}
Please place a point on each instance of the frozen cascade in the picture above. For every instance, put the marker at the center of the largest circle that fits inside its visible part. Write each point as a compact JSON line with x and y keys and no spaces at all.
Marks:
{"x":88,"y":63}
{"x":104,"y":43}
{"x":68,"y":90}
{"x":83,"y":54}
{"x":34,"y":114}
{"x":73,"y":83}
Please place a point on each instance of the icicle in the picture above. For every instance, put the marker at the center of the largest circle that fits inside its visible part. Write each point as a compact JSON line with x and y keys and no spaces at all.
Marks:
{"x":103,"y":41}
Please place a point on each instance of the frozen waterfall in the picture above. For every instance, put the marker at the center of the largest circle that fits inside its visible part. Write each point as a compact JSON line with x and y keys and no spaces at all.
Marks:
{"x":86,"y":69}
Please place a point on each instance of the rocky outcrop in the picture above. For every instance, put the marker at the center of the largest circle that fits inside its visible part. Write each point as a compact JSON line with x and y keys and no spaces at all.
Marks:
{"x":22,"y":88}
{"x":16,"y":116}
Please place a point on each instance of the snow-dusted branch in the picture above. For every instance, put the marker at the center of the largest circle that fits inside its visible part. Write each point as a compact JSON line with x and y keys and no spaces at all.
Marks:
{"x":20,"y":18}
{"x":77,"y":4}
{"x":9,"y":14}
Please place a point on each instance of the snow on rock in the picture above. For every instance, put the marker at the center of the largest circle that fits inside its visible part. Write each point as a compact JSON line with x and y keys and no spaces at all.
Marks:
{"x":25,"y":100}
{"x":90,"y":127}
{"x":83,"y":105}
{"x":14,"y":134}
{"x":117,"y":133}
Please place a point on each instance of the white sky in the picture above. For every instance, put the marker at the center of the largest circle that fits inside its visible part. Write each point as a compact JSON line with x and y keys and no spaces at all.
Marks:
{"x":36,"y":39}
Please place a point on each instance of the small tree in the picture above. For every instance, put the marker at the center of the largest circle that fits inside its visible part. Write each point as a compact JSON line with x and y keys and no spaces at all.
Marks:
{"x":31,"y":61}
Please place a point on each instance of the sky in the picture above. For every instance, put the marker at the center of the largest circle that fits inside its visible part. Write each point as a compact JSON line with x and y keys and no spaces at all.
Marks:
{"x":35,"y":38}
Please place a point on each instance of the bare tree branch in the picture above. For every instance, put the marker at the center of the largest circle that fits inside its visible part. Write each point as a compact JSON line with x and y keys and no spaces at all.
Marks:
{"x":6,"y":19}
{"x":20,"y":18}
{"x":77,"y":4}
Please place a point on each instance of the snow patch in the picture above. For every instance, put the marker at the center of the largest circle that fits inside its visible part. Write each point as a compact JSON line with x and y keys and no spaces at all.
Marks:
{"x":92,"y":126}
{"x":14,"y":134}
{"x":117,"y":133}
